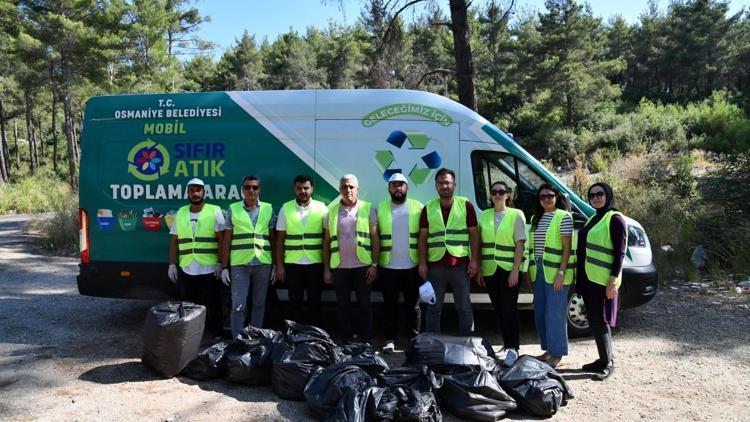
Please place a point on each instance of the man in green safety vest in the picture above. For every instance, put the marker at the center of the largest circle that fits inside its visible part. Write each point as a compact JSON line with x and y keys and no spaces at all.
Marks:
{"x":449,"y":251}
{"x":350,"y":256}
{"x":197,"y":232}
{"x":248,"y":246}
{"x":398,"y":229}
{"x":299,"y":250}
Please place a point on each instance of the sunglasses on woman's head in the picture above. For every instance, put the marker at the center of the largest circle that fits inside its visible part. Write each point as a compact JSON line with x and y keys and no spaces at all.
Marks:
{"x":593,"y":195}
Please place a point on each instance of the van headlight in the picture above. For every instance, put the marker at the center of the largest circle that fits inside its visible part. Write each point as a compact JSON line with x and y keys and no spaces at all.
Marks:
{"x":636,"y":237}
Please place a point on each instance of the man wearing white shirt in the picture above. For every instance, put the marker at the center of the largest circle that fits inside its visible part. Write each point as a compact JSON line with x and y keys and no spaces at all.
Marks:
{"x":398,"y":229}
{"x":197,"y":232}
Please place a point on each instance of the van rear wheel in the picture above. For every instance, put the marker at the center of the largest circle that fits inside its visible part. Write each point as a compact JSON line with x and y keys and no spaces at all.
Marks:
{"x":578,"y":320}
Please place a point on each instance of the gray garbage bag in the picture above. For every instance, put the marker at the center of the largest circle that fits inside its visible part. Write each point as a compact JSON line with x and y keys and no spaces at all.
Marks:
{"x":172,"y":336}
{"x":536,"y":386}
{"x":406,"y":394}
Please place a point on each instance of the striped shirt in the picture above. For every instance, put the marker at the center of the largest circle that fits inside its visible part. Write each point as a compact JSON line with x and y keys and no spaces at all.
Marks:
{"x":566,"y":229}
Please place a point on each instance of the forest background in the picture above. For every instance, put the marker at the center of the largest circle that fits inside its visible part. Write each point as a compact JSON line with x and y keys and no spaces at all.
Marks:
{"x":658,"y":108}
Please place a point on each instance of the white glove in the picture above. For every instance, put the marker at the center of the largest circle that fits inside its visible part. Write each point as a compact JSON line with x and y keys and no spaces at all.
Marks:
{"x":217,"y":271}
{"x":172,"y":273}
{"x":225,"y":277}
{"x":273,"y":274}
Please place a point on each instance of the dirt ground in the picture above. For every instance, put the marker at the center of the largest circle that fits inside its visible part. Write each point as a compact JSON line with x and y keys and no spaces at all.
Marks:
{"x":683,"y":356}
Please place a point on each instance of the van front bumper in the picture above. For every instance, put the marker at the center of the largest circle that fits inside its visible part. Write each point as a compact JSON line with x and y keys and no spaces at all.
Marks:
{"x":639,"y":285}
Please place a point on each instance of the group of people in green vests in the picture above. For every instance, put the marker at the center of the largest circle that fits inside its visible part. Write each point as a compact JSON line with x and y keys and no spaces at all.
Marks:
{"x":404,"y":245}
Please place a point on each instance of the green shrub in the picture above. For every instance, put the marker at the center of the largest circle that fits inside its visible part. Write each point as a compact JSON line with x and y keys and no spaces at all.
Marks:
{"x":32,"y":194}
{"x":598,"y":162}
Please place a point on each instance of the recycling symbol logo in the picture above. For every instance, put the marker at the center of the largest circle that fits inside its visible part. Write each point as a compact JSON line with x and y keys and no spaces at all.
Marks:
{"x":409,"y":153}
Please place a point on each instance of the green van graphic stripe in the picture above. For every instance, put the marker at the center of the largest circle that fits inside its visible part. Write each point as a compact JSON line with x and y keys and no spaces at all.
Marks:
{"x":285,"y":139}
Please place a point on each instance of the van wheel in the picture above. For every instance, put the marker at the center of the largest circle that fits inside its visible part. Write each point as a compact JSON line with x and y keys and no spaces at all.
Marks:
{"x":578,"y":320}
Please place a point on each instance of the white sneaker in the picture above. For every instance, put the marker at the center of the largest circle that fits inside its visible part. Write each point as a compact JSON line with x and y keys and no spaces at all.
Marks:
{"x":390,"y":347}
{"x":511,"y":357}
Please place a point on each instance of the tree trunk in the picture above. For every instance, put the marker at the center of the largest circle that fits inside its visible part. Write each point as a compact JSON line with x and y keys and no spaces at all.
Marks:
{"x":40,"y":143}
{"x":15,"y":143}
{"x":54,"y":130}
{"x":4,"y":156}
{"x":30,"y":133}
{"x":462,"y":53}
{"x":68,"y":113}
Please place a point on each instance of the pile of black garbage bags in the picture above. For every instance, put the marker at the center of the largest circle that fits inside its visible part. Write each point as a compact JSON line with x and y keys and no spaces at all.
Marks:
{"x":351,"y":382}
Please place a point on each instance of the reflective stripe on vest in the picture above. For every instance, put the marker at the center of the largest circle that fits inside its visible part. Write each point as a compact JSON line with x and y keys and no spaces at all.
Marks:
{"x":553,"y":250}
{"x":201,"y":246}
{"x":364,"y":247}
{"x":499,"y":246}
{"x":307,"y":240}
{"x":600,"y":251}
{"x":250,"y":241}
{"x":385,"y":227}
{"x":453,"y":237}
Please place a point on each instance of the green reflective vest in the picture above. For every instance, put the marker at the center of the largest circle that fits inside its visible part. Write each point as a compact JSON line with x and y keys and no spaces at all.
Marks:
{"x":553,"y":249}
{"x":200,"y":246}
{"x":364,"y":247}
{"x":600,"y":251}
{"x":303,"y":240}
{"x":499,"y":246}
{"x":385,"y":227}
{"x":454,"y":236}
{"x":250,"y":241}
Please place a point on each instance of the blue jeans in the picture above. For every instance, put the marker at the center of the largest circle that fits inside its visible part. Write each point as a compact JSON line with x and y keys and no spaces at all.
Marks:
{"x":550,"y":314}
{"x":243,"y":276}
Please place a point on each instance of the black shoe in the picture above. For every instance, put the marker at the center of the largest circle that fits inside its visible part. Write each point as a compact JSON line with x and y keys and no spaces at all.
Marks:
{"x":595,"y":366}
{"x":605,"y":372}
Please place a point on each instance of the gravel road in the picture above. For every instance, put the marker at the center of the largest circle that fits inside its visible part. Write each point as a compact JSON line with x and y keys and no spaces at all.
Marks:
{"x":683,"y":356}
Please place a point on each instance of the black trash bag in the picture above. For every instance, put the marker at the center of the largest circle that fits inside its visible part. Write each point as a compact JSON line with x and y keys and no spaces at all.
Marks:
{"x":172,"y":336}
{"x":406,"y":393}
{"x":339,"y":384}
{"x":209,"y":364}
{"x":251,"y":333}
{"x":298,"y":354}
{"x":475,"y":395}
{"x":536,"y":386}
{"x":400,"y":403}
{"x":441,"y":352}
{"x":372,"y":363}
{"x":248,"y":358}
{"x":351,"y":349}
{"x":419,"y":377}
{"x":248,"y":362}
{"x":293,"y":328}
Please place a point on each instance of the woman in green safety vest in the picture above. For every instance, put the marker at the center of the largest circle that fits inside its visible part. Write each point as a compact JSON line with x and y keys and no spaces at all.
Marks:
{"x":602,"y":243}
{"x":503,"y":237}
{"x":551,"y":265}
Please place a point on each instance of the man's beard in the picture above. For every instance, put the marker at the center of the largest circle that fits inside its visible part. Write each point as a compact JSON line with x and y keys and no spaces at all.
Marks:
{"x":398,"y":197}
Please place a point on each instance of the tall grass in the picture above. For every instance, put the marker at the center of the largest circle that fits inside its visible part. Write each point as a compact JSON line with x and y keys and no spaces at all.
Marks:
{"x":41,"y":192}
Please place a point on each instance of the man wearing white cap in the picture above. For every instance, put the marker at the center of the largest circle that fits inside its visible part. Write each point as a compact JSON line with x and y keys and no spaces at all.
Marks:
{"x":197,"y":232}
{"x":398,"y":229}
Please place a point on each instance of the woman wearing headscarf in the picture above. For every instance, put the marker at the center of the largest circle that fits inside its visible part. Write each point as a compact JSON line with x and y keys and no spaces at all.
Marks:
{"x":551,"y":266}
{"x":503,"y":234}
{"x":600,"y":253}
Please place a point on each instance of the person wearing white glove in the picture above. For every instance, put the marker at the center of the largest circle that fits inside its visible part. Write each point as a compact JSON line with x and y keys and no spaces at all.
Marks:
{"x":197,"y":234}
{"x":225,"y":277}
{"x":172,"y":273}
{"x":248,"y":245}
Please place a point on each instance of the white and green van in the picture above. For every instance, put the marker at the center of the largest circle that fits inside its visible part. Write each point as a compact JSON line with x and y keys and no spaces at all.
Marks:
{"x":138,"y":151}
